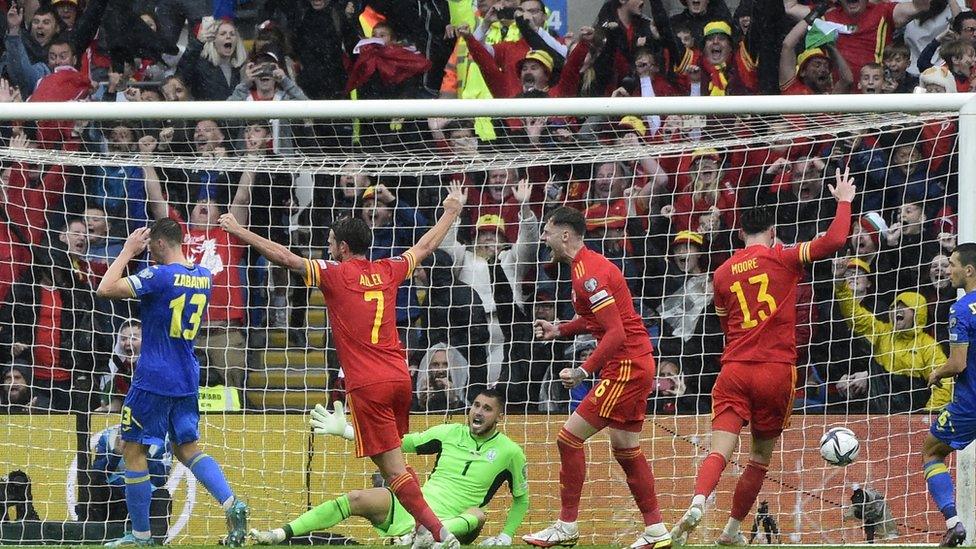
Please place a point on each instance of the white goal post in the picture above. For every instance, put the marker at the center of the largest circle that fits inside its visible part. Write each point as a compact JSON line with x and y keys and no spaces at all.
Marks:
{"x":962,"y":104}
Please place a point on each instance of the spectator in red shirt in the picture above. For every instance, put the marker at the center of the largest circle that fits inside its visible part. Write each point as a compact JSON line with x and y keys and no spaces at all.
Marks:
{"x":708,"y":206}
{"x":28,"y":193}
{"x":204,"y":243}
{"x":534,"y":70}
{"x":870,"y":25}
{"x":811,"y":72}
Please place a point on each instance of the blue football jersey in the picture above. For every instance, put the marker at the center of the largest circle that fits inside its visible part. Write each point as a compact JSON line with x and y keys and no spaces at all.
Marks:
{"x":173,"y":302}
{"x":962,"y":330}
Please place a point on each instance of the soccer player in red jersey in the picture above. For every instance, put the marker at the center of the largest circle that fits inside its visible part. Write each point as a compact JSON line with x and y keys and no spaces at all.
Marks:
{"x":755,"y":298}
{"x":361,"y":299}
{"x":604,"y":308}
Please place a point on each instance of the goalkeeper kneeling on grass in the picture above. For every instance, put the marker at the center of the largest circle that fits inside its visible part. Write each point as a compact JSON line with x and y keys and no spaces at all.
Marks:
{"x":473,"y":461}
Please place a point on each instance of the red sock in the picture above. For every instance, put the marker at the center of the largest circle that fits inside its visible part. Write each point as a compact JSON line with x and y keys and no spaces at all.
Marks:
{"x":413,"y":474}
{"x":640,"y":479}
{"x":747,"y":489}
{"x":407,"y":492}
{"x":709,"y":473}
{"x":572,"y":473}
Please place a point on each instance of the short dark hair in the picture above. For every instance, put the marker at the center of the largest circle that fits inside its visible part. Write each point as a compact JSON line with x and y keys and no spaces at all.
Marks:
{"x":568,"y":217}
{"x":495,"y":394}
{"x":967,"y":254}
{"x":757,"y":219}
{"x":167,"y":229}
{"x":355,"y":233}
{"x":61,"y":40}
{"x":961,"y":18}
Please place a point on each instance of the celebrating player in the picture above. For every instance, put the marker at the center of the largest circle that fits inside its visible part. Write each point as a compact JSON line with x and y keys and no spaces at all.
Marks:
{"x":755,"y":298}
{"x":955,"y":428}
{"x":604,"y":308}
{"x":173,"y":297}
{"x":361,"y":299}
{"x":472,"y":462}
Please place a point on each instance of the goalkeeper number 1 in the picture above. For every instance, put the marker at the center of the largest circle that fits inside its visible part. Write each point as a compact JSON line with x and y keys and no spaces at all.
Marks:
{"x":473,"y":461}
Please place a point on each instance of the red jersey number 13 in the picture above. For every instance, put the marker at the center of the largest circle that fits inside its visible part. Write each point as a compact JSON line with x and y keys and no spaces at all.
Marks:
{"x":762,"y":296}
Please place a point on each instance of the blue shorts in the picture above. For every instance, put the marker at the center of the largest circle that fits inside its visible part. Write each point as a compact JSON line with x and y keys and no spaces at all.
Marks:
{"x":147,"y":418}
{"x":954,"y":429}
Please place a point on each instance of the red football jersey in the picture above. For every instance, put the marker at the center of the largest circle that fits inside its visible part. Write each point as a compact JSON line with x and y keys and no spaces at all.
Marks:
{"x":598,"y":283}
{"x":755,"y":293}
{"x":361,"y":300}
{"x":870,"y":32}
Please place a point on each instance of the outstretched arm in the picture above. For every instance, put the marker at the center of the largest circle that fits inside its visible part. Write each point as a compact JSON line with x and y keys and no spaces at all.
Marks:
{"x":274,"y":252}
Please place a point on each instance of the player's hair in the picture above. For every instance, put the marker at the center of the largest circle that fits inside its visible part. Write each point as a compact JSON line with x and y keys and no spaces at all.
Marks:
{"x":967,"y":254}
{"x":167,"y":229}
{"x":355,"y":233}
{"x":568,"y":217}
{"x":495,"y":394}
{"x":757,"y":219}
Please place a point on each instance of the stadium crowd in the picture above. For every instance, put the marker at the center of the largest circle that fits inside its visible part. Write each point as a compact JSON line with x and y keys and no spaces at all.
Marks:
{"x":872,"y":323}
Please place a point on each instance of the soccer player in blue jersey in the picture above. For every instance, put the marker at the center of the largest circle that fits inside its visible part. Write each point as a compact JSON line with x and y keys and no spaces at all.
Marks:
{"x":955,"y":428}
{"x":173,"y":297}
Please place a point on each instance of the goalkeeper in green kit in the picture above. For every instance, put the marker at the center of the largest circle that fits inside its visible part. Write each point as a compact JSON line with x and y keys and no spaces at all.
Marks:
{"x":473,"y":461}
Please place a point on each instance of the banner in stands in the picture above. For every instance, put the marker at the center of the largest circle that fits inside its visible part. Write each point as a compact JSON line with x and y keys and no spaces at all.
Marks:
{"x":806,"y":497}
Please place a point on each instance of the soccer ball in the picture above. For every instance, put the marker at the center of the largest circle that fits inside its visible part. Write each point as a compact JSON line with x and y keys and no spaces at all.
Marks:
{"x":839,"y":446}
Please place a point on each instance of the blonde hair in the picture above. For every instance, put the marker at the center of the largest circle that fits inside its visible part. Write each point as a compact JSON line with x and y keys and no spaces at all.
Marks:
{"x":699,"y":189}
{"x":237,"y":58}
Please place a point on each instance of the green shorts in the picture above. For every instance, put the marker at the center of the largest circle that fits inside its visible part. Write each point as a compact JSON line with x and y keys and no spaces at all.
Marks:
{"x":398,"y":521}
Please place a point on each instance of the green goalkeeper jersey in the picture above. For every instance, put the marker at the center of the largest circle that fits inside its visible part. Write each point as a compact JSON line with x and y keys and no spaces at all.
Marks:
{"x":468,"y":471}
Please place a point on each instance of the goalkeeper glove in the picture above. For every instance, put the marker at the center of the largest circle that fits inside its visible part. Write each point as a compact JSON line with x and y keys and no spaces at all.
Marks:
{"x":500,"y":539}
{"x":325,"y":422}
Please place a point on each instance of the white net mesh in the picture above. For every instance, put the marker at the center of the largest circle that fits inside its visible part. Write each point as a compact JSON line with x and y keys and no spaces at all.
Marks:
{"x":661,"y":197}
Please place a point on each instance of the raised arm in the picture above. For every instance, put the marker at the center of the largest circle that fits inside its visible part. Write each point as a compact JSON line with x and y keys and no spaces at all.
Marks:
{"x":242,"y":198}
{"x":827,"y":244}
{"x":113,"y":286}
{"x":158,"y":206}
{"x":787,"y":56}
{"x":845,"y":78}
{"x":431,"y":240}
{"x":906,"y":11}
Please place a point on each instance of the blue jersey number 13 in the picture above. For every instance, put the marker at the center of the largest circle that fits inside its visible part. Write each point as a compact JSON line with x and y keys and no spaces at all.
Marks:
{"x":176,"y":329}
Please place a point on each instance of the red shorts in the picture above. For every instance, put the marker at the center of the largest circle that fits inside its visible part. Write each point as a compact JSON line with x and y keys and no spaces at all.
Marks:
{"x":380,"y":415}
{"x":620,"y":403}
{"x":760,"y":394}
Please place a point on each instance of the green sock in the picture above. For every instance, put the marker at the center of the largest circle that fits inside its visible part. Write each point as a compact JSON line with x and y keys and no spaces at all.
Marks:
{"x":461,"y":525}
{"x":325,"y":515}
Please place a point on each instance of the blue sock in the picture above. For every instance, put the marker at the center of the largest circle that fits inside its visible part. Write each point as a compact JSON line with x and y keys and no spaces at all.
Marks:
{"x":138,"y":495}
{"x":207,"y":471}
{"x":940,"y":486}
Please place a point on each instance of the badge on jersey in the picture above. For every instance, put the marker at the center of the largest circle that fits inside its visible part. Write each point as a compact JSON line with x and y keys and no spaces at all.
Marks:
{"x":146,"y":273}
{"x":589,"y":285}
{"x":491,"y":455}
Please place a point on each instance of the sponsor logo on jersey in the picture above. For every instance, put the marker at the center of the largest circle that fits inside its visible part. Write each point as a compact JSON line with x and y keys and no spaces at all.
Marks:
{"x":590,"y":284}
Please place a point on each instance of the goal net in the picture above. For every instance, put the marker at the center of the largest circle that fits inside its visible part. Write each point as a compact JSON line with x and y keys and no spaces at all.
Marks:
{"x":661,"y":195}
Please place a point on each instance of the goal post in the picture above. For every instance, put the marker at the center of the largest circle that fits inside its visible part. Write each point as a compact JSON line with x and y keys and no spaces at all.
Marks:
{"x":274,"y":461}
